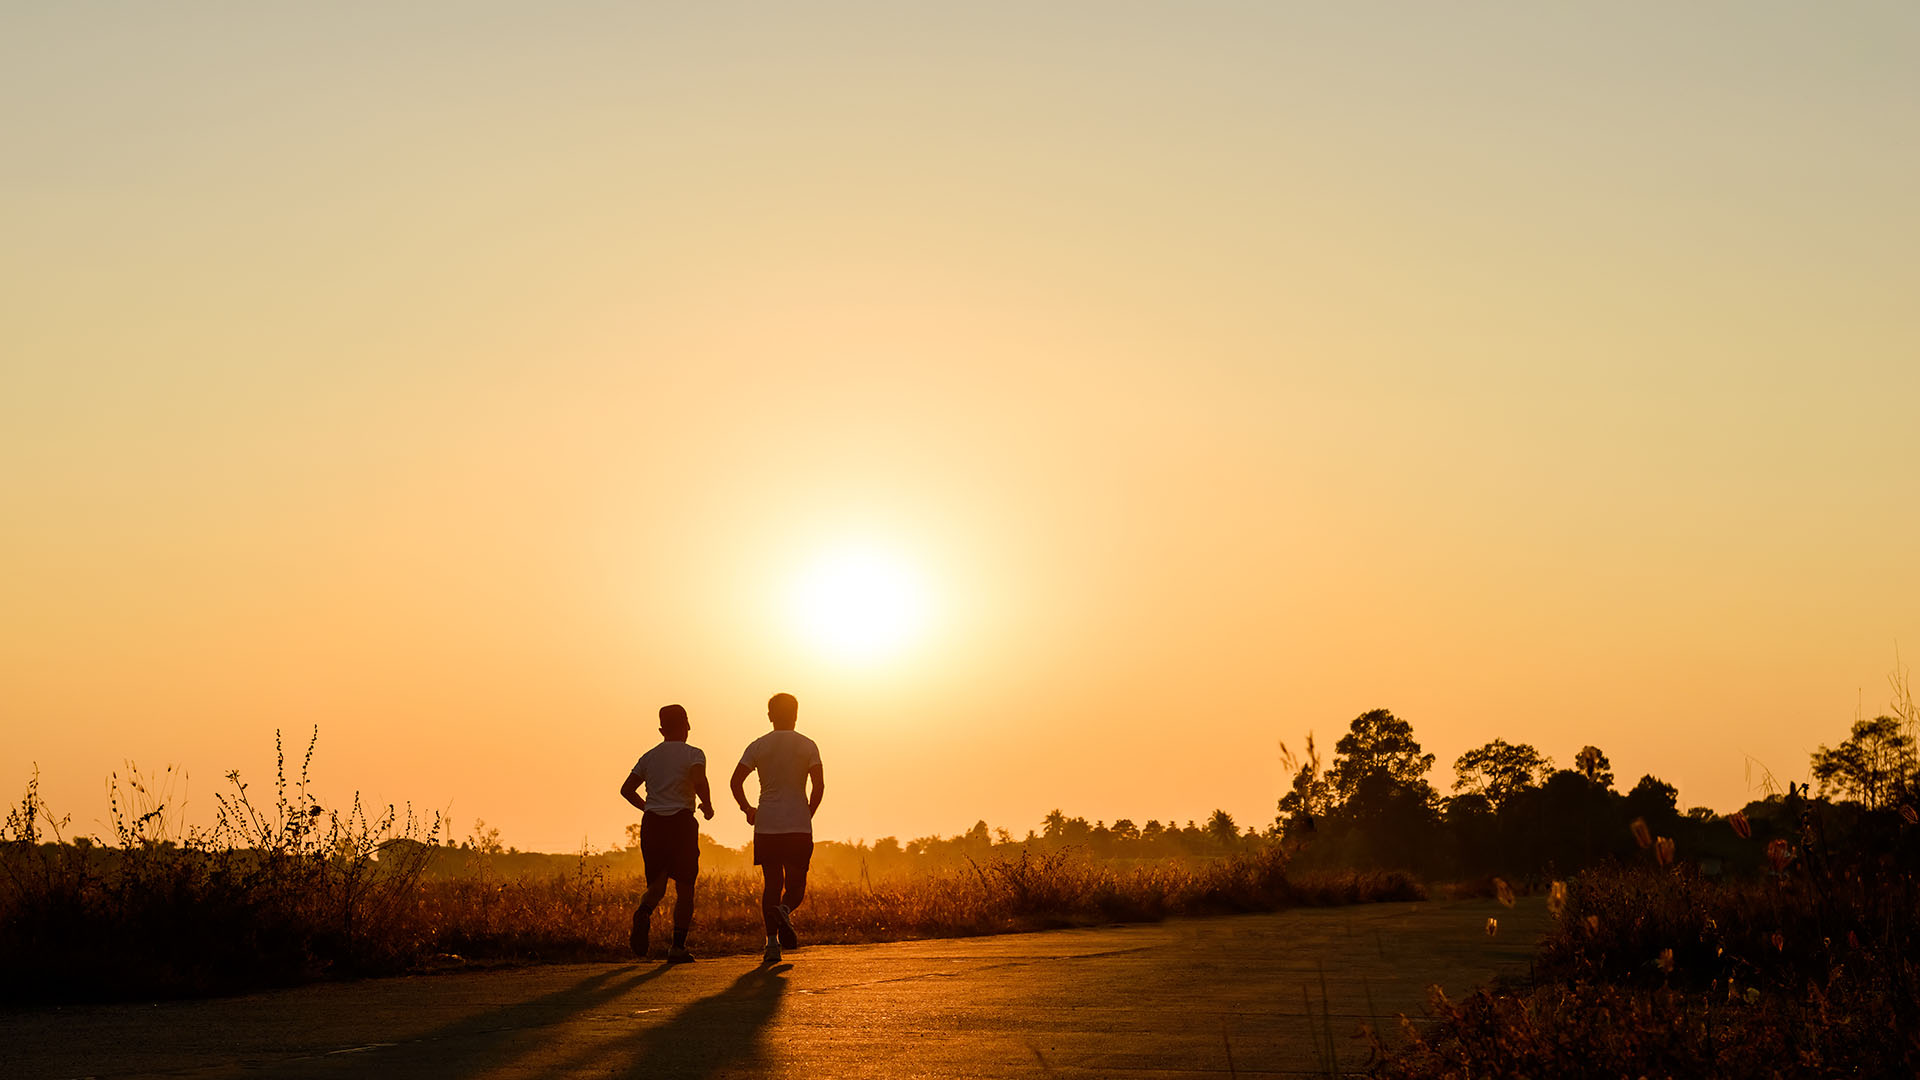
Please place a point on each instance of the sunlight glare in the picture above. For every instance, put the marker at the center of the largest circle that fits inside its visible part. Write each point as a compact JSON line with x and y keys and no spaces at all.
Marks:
{"x":860,"y":604}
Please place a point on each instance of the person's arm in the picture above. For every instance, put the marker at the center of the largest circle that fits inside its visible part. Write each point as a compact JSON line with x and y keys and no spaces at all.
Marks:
{"x":700,"y":788}
{"x":630,"y":791}
{"x":818,"y":776}
{"x":740,"y":774}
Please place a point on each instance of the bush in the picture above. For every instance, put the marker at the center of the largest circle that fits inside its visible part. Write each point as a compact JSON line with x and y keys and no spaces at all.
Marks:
{"x":1584,"y":1030}
{"x":1810,"y":970}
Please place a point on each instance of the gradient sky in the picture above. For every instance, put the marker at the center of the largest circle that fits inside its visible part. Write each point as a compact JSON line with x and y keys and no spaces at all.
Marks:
{"x":471,"y":379}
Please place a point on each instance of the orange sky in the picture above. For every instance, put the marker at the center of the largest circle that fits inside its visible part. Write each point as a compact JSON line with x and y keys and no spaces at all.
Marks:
{"x":472,"y":380}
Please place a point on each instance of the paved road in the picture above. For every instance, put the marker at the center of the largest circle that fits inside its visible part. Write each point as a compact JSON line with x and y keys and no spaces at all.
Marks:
{"x":1237,"y":996}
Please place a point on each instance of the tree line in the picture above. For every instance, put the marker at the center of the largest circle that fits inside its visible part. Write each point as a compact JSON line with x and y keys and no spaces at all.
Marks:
{"x":1512,"y":813}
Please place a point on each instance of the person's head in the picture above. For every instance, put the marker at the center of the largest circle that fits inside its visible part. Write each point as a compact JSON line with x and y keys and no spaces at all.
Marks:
{"x":784,"y":711}
{"x":673,"y":723}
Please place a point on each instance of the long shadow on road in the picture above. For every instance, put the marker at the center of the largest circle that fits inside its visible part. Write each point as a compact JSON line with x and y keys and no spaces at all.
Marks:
{"x":713,"y":1035}
{"x":475,"y":1045}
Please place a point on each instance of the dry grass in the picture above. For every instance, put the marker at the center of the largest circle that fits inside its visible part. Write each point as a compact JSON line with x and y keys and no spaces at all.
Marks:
{"x":586,"y":915}
{"x":288,"y":892}
{"x":1582,"y":1030}
{"x":1653,"y":970}
{"x":272,"y":894}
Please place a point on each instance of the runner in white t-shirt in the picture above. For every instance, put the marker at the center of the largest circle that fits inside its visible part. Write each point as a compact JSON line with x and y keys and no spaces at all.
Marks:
{"x":783,"y":822}
{"x":675,"y":774}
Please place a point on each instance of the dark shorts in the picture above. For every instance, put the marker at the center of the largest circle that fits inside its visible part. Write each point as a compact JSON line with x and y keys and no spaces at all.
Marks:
{"x":670,"y":845}
{"x":783,"y":849}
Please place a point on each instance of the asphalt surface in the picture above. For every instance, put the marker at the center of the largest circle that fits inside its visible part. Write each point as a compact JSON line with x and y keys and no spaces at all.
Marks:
{"x":1253,"y":995}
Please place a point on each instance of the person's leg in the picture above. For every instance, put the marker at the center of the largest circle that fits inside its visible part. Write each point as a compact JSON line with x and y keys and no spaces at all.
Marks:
{"x":656,"y":860}
{"x":770,"y":906}
{"x":794,"y":858}
{"x":682,"y":910}
{"x":770,"y":870}
{"x":796,"y":885}
{"x":686,"y":872}
{"x":656,"y":892}
{"x":656,"y":889}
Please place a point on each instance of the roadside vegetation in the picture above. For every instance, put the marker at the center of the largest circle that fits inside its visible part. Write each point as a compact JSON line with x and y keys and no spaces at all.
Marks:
{"x":1782,"y":945}
{"x":1811,"y":969}
{"x":584,"y":915}
{"x":281,"y":890}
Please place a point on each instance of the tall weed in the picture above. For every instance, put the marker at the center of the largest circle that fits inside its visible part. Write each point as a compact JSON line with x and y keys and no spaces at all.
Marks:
{"x":268,"y":895}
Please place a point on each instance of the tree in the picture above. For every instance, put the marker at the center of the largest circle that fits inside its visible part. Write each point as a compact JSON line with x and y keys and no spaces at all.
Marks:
{"x":486,"y":840}
{"x":1300,"y":808}
{"x":1568,"y":822}
{"x":1310,"y":798}
{"x":1499,"y":769}
{"x":1062,"y":829}
{"x":1475,"y":833}
{"x":1593,"y":765}
{"x":977,"y":839}
{"x":1389,"y":823}
{"x":1053,"y":825}
{"x":1873,"y":765}
{"x":1381,"y":809}
{"x":1221,"y":829}
{"x":1653,"y":799}
{"x":1377,"y":741}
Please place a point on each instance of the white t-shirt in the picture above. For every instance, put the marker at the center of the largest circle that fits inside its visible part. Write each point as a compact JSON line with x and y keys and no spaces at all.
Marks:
{"x":784,"y":758}
{"x":667,"y":770}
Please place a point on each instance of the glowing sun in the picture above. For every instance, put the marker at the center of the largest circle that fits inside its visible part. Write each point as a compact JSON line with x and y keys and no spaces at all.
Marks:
{"x":860,"y":604}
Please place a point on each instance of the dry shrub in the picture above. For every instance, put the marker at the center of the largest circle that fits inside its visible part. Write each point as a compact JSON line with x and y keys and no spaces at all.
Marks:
{"x":1654,"y":970}
{"x":270,"y":895}
{"x":1796,"y":930}
{"x":1583,"y":1030}
{"x":1325,"y":888}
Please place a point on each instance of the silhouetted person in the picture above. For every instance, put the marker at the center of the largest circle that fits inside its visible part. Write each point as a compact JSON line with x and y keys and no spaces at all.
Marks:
{"x":783,"y":822}
{"x":675,"y":773}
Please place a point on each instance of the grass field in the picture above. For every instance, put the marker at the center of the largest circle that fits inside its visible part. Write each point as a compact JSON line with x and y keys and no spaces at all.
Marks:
{"x":286,"y":893}
{"x":586,"y":916}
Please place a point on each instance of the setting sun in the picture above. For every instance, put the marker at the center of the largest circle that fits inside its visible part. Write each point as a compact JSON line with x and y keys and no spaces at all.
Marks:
{"x":860,"y":604}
